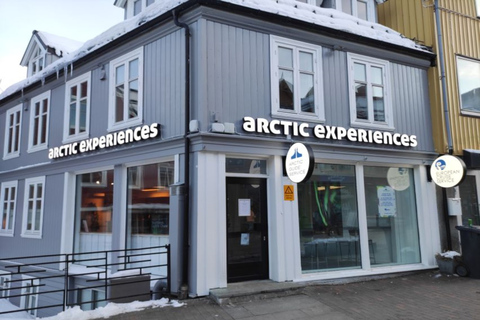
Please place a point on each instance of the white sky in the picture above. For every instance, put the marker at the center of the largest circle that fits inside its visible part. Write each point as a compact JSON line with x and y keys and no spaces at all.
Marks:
{"x":79,"y":20}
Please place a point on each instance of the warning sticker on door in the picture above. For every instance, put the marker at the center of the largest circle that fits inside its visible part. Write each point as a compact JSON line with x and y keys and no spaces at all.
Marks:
{"x":288,"y":194}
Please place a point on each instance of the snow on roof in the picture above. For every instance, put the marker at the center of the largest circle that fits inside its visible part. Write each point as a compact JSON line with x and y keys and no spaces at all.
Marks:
{"x":329,"y":18}
{"x":61,"y":45}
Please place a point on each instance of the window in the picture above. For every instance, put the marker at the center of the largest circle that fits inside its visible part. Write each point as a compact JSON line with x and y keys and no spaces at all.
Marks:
{"x":317,"y":3}
{"x":29,"y":299}
{"x":468,"y":74}
{"x":137,"y":7}
{"x":77,"y":108}
{"x":369,"y":92}
{"x":90,"y":299}
{"x":33,"y":208}
{"x":13,"y":132}
{"x":93,"y":213}
{"x":149,"y":2}
{"x":477,"y":7}
{"x":126,"y":85}
{"x":4,"y":284}
{"x":296,"y":80}
{"x":8,"y":196}
{"x":37,"y":63}
{"x":39,"y":122}
{"x":362,"y":9}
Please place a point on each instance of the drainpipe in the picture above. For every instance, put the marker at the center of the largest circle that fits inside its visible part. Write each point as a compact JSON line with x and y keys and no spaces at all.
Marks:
{"x":186,"y":211}
{"x":447,"y":116}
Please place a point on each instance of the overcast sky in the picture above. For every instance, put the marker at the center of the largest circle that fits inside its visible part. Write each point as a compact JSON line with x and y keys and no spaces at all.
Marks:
{"x":79,"y":20}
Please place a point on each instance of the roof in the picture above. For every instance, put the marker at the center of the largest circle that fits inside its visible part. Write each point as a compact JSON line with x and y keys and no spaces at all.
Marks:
{"x":291,"y":9}
{"x":52,"y":43}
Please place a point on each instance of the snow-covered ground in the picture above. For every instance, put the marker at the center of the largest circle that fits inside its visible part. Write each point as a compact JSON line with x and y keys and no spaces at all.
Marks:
{"x":76,"y":313}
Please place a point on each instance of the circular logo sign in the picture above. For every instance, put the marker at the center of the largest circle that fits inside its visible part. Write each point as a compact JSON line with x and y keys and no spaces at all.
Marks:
{"x":398,"y":178}
{"x":448,"y":171}
{"x":299,"y":162}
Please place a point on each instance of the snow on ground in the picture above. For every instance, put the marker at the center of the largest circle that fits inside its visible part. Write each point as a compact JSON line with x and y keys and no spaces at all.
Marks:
{"x":76,"y":313}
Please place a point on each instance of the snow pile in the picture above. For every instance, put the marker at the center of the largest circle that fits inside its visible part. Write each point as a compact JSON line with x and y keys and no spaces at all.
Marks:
{"x":5,"y":305}
{"x":112,"y":309}
{"x":449,"y":254}
{"x":292,"y":9}
{"x":61,"y":45}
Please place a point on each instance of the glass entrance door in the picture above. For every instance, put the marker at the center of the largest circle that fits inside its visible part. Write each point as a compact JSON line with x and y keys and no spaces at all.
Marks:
{"x":247,"y":239}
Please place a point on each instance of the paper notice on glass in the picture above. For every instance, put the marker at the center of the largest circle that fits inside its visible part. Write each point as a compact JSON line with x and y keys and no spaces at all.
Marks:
{"x":245,"y":239}
{"x":243,"y":207}
{"x":387,"y":206}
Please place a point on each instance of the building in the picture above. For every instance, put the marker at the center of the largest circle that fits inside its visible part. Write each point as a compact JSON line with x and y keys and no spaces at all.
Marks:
{"x":174,"y":126}
{"x":451,"y":29}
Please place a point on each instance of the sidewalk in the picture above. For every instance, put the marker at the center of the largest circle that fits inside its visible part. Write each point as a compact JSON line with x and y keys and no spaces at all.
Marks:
{"x":426,"y":295}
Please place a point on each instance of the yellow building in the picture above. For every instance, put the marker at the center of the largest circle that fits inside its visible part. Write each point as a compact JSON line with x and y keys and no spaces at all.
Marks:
{"x":452,"y":29}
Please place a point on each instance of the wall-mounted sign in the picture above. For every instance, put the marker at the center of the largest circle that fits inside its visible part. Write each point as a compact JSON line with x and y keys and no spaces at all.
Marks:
{"x":322,"y":132}
{"x":288,"y":194}
{"x":448,"y":171}
{"x":398,"y":178}
{"x":110,"y":140}
{"x":299,"y":162}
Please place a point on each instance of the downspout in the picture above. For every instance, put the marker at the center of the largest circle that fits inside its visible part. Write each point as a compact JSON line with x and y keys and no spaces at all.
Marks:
{"x":186,"y":212}
{"x":447,"y":117}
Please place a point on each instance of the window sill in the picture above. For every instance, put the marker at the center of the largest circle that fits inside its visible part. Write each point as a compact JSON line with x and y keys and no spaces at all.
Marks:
{"x":368,"y":125}
{"x":11,"y":156}
{"x":37,"y":148}
{"x":6,"y":234}
{"x":296,"y":116}
{"x":75,"y":138}
{"x":124,"y":125}
{"x":470,"y":113}
{"x":31,"y":235}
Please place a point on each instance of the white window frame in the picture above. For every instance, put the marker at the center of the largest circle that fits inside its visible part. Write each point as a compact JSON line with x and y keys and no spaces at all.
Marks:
{"x":26,"y":301}
{"x":39,"y":56}
{"x":6,"y":276}
{"x":124,"y":60}
{"x":319,"y":110}
{"x":32,"y":147}
{"x":465,"y":111}
{"x":11,"y":203}
{"x":13,"y":154}
{"x":131,"y":6}
{"x":37,"y":234}
{"x":370,"y":122}
{"x":66,"y":122}
{"x":477,"y":7}
{"x":371,"y":12}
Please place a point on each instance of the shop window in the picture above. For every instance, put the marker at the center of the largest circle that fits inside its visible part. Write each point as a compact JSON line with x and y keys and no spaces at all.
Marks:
{"x":391,"y":216}
{"x":77,"y":108}
{"x":8,"y":196}
{"x":12,"y":132}
{"x":39,"y":110}
{"x":29,"y":298}
{"x":33,"y":208}
{"x":328,"y":217}
{"x":296,"y":79}
{"x":468,"y":74}
{"x":149,"y":203}
{"x":126,"y":90}
{"x":370,"y":104}
{"x":90,"y":299}
{"x":93,"y":211}
{"x":4,"y":284}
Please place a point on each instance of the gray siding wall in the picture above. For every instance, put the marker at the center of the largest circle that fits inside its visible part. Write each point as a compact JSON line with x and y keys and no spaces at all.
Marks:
{"x":234,"y":80}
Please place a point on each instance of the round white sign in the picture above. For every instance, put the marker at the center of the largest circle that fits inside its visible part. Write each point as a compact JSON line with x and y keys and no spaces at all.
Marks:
{"x":398,"y":178}
{"x":299,"y":162}
{"x":448,"y":171}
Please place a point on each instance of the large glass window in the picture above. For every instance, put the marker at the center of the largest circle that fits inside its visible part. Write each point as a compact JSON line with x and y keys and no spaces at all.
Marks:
{"x":126,"y":85}
{"x":329,"y":219}
{"x":8,"y":196}
{"x":93,"y":211}
{"x":391,"y":216}
{"x":296,"y":84}
{"x":12,"y":132}
{"x":468,"y":73}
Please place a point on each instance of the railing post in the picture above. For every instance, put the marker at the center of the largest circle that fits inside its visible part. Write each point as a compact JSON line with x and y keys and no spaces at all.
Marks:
{"x":65,"y":291}
{"x":106,"y":273}
{"x":169,"y":278}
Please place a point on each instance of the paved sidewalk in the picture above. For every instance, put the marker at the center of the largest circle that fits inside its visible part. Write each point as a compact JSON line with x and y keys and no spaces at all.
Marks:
{"x":426,"y":295}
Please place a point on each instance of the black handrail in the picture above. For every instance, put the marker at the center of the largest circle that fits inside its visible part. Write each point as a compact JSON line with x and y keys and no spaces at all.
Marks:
{"x":102,"y":275}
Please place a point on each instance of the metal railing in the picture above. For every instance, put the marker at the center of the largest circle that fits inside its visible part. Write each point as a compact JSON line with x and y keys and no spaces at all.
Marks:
{"x":52,"y":281}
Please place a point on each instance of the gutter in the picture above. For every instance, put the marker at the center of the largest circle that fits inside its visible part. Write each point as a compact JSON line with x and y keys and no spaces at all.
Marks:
{"x":443,"y":80}
{"x":186,"y":213}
